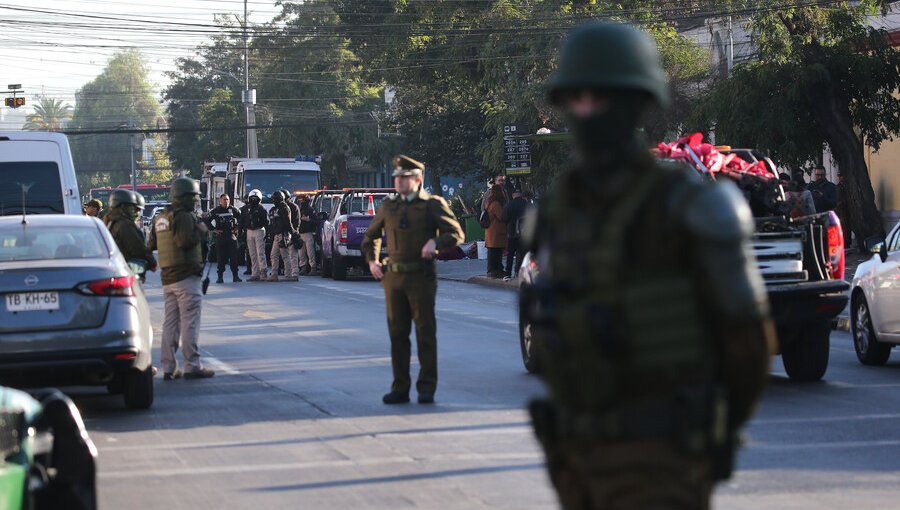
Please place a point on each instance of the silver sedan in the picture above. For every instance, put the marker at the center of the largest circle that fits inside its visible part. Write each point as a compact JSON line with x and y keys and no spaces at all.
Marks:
{"x":72,"y":311}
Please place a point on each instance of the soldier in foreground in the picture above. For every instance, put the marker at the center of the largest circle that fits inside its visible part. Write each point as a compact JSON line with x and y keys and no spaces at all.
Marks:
{"x":654,"y":318}
{"x":178,"y":234}
{"x":417,"y":225}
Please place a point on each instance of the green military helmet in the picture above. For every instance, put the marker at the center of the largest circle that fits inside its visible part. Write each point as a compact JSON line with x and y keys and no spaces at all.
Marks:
{"x":139,"y":200}
{"x":184,"y":186}
{"x":609,"y":56}
{"x":120,"y":197}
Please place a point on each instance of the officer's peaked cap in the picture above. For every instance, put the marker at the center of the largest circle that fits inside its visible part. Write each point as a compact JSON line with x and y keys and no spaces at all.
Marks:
{"x":405,"y":166}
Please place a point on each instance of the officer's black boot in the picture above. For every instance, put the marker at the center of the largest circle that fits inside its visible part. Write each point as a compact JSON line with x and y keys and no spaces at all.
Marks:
{"x":235,"y":277}
{"x":219,"y":279}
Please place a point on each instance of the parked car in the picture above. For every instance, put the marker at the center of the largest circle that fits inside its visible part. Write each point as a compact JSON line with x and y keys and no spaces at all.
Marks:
{"x":528,"y":273}
{"x":875,"y":301}
{"x":73,"y":311}
{"x":323,"y":203}
{"x":345,"y":228}
{"x":47,"y":460}
{"x":37,"y":171}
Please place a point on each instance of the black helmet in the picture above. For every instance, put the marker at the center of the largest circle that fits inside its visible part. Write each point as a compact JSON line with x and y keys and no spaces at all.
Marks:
{"x":122,"y":196}
{"x":184,"y":186}
{"x":277,"y":197}
{"x":139,"y":200}
{"x":609,"y":56}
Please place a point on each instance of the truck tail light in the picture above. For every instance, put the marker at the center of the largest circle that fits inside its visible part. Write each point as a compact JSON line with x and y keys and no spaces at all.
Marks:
{"x":119,"y":286}
{"x":342,"y":232}
{"x":836,"y":260}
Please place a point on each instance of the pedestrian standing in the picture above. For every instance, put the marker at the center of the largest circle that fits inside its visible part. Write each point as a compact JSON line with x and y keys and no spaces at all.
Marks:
{"x":255,"y":221}
{"x":224,"y":220}
{"x":824,"y":192}
{"x":280,"y":226}
{"x":654,"y":358}
{"x":292,"y":271}
{"x":242,"y":237}
{"x":124,"y":210}
{"x":417,"y":225}
{"x":495,"y":236}
{"x":514,"y":217}
{"x":307,"y":231}
{"x":178,"y":234}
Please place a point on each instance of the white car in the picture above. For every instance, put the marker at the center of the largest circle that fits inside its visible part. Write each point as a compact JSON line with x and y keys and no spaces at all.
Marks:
{"x":875,"y":301}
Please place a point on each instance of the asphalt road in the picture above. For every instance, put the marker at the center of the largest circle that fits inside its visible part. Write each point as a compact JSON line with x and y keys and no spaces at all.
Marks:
{"x":293,"y":418}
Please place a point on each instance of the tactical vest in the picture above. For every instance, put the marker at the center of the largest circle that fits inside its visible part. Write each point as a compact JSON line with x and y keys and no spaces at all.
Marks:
{"x":629,"y":321}
{"x":170,"y":254}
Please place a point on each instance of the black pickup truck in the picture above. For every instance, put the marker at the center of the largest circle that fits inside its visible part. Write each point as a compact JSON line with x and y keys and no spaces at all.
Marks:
{"x":800,"y":259}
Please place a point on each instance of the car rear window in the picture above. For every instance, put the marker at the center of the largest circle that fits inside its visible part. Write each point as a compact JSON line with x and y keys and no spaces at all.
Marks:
{"x":49,"y":243}
{"x":39,"y":180}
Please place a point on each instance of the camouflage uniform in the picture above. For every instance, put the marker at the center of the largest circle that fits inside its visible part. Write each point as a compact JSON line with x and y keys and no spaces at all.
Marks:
{"x":651,"y":318}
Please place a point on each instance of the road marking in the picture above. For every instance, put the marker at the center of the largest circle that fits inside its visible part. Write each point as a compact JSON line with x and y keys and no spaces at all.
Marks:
{"x":827,"y":419}
{"x":220,"y":366}
{"x":835,"y":445}
{"x":241,"y":468}
{"x":253,"y":314}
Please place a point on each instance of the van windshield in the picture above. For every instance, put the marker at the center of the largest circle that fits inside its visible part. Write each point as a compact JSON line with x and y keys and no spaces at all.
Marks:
{"x":268,"y":181}
{"x":40,"y":182}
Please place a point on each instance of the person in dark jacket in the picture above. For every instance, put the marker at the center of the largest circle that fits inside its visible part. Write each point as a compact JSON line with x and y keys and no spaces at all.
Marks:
{"x":513,"y":216}
{"x":292,"y":271}
{"x":307,"y":231}
{"x":280,"y":226}
{"x":121,"y":224}
{"x":255,"y":221}
{"x":242,"y":237}
{"x":495,"y":234}
{"x":823,"y":191}
{"x":223,"y":220}
{"x":178,"y":235}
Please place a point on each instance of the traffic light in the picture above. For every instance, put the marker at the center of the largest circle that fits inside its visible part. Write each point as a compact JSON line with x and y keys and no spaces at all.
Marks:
{"x":15,"y":102}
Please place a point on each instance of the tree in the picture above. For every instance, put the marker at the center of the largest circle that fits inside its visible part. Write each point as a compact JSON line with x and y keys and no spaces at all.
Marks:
{"x":157,"y":169}
{"x":49,"y":114}
{"x":121,"y":96}
{"x":823,"y":79}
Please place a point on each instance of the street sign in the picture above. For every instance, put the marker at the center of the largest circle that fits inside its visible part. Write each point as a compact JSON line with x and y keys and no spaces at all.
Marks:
{"x":14,"y":87}
{"x":517,"y":153}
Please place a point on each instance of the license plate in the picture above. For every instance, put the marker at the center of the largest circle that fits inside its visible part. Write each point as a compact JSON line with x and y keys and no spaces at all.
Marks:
{"x":32,"y":301}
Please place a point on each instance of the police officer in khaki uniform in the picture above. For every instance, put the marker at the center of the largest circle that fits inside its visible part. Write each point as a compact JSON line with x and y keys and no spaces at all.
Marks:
{"x":178,"y":234}
{"x":650,"y":313}
{"x":416,"y":225}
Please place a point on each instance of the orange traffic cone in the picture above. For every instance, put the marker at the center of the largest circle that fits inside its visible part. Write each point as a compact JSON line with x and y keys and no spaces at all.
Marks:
{"x":371,"y":210}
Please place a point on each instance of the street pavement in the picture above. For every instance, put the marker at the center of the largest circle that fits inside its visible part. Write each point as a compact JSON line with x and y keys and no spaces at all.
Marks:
{"x":294,"y":419}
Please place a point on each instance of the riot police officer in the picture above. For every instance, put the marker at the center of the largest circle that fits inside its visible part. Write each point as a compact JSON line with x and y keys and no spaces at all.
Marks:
{"x":224,"y":220}
{"x":417,"y":225}
{"x":653,"y":318}
{"x":294,"y":245}
{"x":124,"y":210}
{"x":254,"y":221}
{"x":178,"y":235}
{"x":280,"y":229}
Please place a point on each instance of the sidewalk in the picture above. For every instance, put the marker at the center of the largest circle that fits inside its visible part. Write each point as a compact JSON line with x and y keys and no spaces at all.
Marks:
{"x":471,"y":271}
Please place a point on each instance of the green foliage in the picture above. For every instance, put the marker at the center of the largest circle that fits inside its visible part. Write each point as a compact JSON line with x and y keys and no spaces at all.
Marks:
{"x":48,"y":115}
{"x":158,"y":169}
{"x":120,"y":96}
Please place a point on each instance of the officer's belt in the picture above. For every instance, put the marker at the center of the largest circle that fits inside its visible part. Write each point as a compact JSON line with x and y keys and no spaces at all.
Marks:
{"x":658,"y":419}
{"x":405,"y":267}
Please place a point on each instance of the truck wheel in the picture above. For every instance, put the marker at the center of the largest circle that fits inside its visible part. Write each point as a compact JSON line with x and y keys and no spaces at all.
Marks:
{"x":526,"y":343}
{"x":338,"y":267}
{"x":806,"y":357}
{"x":868,"y":349}
{"x":138,"y":388}
{"x":326,"y":267}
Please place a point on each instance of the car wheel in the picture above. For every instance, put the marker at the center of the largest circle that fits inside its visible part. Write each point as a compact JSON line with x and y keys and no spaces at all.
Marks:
{"x":526,"y":343}
{"x":806,"y":357}
{"x":338,"y":267}
{"x":139,"y":389}
{"x":868,"y":349}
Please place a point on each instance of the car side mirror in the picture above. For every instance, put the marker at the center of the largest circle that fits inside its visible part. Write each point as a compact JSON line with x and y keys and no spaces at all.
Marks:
{"x":877,"y":246}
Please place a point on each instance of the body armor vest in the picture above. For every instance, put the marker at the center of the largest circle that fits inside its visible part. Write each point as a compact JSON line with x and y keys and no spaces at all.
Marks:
{"x":629,"y":324}
{"x":170,"y":254}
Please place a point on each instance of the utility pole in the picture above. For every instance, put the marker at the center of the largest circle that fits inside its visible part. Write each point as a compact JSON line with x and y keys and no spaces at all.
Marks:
{"x":249,"y":96}
{"x":730,"y":45}
{"x":131,"y":139}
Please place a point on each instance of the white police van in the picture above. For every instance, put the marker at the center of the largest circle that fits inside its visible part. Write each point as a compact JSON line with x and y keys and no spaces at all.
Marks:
{"x":37,"y":175}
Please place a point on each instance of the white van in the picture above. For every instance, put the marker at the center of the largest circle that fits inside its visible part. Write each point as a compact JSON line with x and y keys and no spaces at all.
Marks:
{"x":40,"y":165}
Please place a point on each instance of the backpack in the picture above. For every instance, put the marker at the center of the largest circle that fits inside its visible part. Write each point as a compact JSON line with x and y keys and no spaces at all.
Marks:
{"x":485,"y":219}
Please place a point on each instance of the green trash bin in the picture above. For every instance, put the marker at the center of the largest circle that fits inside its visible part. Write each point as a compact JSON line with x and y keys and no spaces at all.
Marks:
{"x":474,"y":230}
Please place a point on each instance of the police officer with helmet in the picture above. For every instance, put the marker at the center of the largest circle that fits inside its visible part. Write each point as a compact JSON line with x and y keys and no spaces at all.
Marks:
{"x":224,"y":221}
{"x":416,"y":225}
{"x":653,"y":319}
{"x":178,"y":234}
{"x":254,"y":221}
{"x":124,"y":210}
{"x":281,"y":230}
